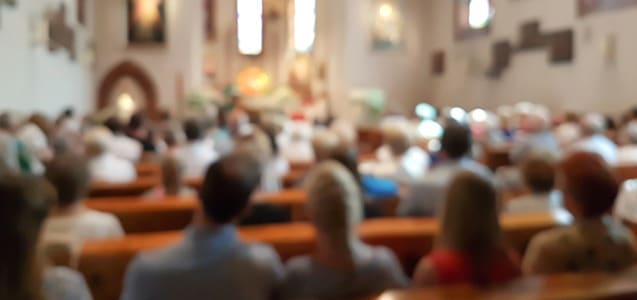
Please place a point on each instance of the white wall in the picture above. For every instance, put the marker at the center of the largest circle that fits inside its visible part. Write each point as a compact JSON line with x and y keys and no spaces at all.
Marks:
{"x":344,"y":39}
{"x":181,"y":56}
{"x":31,"y":77}
{"x":588,"y":83}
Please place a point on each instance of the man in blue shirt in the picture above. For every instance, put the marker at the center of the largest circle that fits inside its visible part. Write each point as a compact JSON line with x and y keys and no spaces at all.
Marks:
{"x":211,"y":262}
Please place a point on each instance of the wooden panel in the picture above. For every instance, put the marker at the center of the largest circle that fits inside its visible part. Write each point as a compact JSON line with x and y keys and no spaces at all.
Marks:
{"x":104,"y":263}
{"x":146,"y":169}
{"x":626,"y":173}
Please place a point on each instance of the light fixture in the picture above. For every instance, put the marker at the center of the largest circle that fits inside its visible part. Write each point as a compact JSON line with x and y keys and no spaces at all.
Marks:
{"x":478,"y":115}
{"x":425,"y":111}
{"x":385,"y":10}
{"x":430,"y":129}
{"x":125,"y":103}
{"x":458,"y":114}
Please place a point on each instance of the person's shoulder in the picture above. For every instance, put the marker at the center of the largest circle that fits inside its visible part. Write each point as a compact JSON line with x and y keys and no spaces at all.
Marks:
{"x":261,"y":254}
{"x":98,"y":218}
{"x":62,"y":275}
{"x":65,"y":284}
{"x":298,"y":266}
{"x":155,"y":261}
{"x":553,"y":240}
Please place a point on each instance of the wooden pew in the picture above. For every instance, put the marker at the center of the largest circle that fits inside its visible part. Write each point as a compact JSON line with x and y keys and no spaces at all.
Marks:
{"x":562,"y":286}
{"x":135,"y":188}
{"x":148,"y":169}
{"x":496,"y":157}
{"x":104,"y":263}
{"x":139,"y":215}
{"x":624,"y":173}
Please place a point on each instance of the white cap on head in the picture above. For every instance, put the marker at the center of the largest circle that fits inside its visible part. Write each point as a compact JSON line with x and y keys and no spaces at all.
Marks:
{"x":98,"y":136}
{"x":593,"y":123}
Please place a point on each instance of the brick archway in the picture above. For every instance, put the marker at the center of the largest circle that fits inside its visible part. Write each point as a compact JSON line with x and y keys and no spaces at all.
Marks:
{"x":137,"y":74}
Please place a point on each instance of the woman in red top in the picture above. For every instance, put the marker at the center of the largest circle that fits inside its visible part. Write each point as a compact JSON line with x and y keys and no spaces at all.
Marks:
{"x":470,"y":248}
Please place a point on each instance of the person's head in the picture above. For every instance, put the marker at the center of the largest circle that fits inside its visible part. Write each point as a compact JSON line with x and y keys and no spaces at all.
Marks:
{"x":7,"y":122}
{"x":25,"y":203}
{"x":347,"y":156}
{"x":228,"y":187}
{"x":571,"y":117}
{"x":397,"y":138}
{"x":42,"y":122}
{"x":70,"y":176}
{"x":334,"y":202}
{"x":456,"y":141}
{"x":193,"y":130}
{"x":171,"y":175}
{"x":536,"y":120}
{"x":631,"y":132}
{"x":470,"y":220}
{"x":593,"y":124}
{"x":114,"y":125}
{"x":136,"y":121}
{"x":588,"y":185}
{"x":538,"y":174}
{"x":323,"y":144}
{"x":256,"y":143}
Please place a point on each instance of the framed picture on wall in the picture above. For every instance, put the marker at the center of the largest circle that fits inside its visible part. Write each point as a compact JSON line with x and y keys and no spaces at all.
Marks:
{"x":388,"y":24}
{"x":146,"y":22}
{"x":8,"y":2}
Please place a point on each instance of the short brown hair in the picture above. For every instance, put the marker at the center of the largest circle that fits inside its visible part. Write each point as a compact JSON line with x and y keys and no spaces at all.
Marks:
{"x":538,"y":174}
{"x":70,"y":176}
{"x":589,"y":182}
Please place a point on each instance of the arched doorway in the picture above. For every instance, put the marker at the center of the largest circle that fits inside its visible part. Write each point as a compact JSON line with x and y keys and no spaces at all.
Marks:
{"x":129,"y":72}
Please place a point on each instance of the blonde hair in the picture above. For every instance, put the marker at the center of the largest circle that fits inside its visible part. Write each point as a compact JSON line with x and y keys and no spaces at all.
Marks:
{"x":334,"y":201}
{"x":324,"y":144}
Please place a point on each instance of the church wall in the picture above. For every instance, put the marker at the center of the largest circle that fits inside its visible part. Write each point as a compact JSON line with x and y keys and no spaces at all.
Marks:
{"x":402,"y":73}
{"x":180,"y":57}
{"x":590,"y":82}
{"x":31,"y":77}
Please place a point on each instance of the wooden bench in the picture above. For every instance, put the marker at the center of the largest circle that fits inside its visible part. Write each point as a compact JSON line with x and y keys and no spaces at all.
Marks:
{"x":135,"y":188}
{"x":561,"y":286}
{"x":104,"y":263}
{"x":138,"y":215}
{"x":148,"y":169}
{"x":624,"y":173}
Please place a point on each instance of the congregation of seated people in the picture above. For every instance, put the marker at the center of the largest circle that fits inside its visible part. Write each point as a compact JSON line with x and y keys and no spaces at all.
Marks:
{"x":557,"y":165}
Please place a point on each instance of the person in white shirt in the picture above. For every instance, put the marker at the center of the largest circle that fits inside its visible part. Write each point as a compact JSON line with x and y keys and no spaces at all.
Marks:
{"x":295,"y":143}
{"x":120,"y":144}
{"x":198,"y":153}
{"x":538,"y":175}
{"x":627,"y":154}
{"x":70,"y":220}
{"x":398,"y":159}
{"x":424,"y":197}
{"x":568,"y":132}
{"x":593,"y":140}
{"x":105,"y":166}
{"x":262,"y":145}
{"x":535,"y":137}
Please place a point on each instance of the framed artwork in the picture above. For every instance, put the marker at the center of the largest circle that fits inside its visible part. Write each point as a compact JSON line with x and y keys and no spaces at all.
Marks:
{"x":146,"y":22}
{"x":9,"y":2}
{"x":472,"y":18}
{"x":388,"y":24}
{"x":586,"y":7}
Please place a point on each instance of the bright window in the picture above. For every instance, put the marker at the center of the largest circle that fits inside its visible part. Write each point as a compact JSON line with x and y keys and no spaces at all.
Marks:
{"x":479,"y":13}
{"x":250,"y":26}
{"x":304,"y":25}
